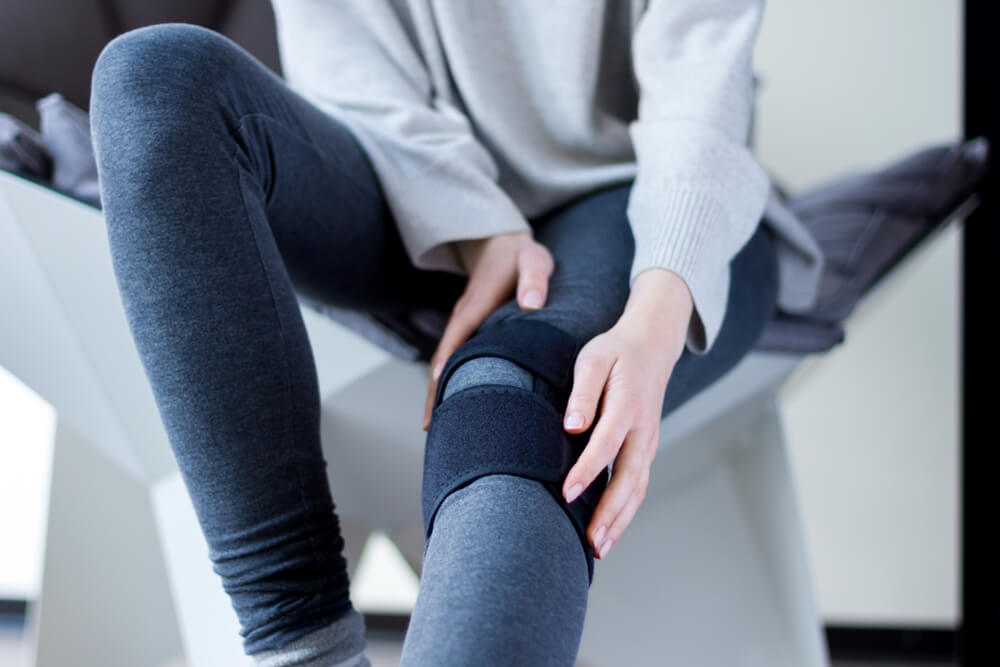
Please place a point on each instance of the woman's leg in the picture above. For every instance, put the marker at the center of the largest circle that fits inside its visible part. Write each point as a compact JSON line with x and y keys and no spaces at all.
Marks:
{"x":222,"y":189}
{"x":505,"y":572}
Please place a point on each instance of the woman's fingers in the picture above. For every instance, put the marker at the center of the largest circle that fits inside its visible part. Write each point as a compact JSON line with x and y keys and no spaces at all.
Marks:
{"x":469,"y":312}
{"x":534,"y":267}
{"x":590,"y":373}
{"x":494,"y":277}
{"x":624,"y":518}
{"x":625,"y":491}
{"x":617,"y":416}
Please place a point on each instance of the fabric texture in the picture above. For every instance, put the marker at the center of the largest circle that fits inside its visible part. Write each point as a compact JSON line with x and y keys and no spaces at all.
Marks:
{"x":865,"y":224}
{"x":216,"y":229}
{"x":524,"y":438}
{"x":478,"y":117}
{"x":504,"y":581}
{"x":489,"y":370}
{"x":524,"y":433}
{"x":340,"y":644}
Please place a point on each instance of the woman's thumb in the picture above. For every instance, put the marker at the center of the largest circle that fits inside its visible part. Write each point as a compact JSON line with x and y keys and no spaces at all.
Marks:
{"x":534,"y":267}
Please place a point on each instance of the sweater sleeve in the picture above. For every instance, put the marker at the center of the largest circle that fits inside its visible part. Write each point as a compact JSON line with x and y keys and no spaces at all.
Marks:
{"x":353,"y":60}
{"x":699,"y":193}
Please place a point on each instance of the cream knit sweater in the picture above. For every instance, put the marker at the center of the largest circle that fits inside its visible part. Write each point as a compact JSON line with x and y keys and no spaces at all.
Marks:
{"x":479,"y":114}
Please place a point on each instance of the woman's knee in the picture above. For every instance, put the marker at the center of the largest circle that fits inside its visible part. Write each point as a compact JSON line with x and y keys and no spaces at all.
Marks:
{"x":487,"y":370}
{"x":518,"y":351}
{"x":499,"y":410}
{"x":160,"y":97}
{"x":163,"y":67}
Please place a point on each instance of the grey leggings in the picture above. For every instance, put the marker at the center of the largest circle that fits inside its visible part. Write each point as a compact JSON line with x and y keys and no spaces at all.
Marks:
{"x":227,"y":196}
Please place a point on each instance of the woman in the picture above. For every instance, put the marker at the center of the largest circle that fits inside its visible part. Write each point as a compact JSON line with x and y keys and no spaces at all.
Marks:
{"x":567,"y":181}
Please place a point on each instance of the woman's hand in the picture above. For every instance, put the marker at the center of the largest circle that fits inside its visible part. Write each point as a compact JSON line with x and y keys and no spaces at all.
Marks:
{"x":629,"y":365}
{"x":494,"y":265}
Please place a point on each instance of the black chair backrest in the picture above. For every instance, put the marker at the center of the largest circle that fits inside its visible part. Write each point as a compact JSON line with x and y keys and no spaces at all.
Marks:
{"x":49,"y":46}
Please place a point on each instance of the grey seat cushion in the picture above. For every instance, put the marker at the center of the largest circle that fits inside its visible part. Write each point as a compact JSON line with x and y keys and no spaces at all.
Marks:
{"x":865,"y":225}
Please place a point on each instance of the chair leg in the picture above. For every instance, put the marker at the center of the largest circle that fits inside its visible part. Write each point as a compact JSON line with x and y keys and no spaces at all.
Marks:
{"x":105,"y":599}
{"x":762,"y":477}
{"x":712,"y":569}
{"x":208,"y":622}
{"x":355,"y":533}
{"x":410,"y":542}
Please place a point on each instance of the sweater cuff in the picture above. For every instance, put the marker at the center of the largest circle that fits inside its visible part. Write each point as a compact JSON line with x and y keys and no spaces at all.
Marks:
{"x":433,"y":249}
{"x":684,"y":240}
{"x":436,"y":199}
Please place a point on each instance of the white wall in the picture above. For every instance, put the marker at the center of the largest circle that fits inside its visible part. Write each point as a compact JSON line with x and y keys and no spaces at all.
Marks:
{"x":27,"y":429}
{"x":852,"y":84}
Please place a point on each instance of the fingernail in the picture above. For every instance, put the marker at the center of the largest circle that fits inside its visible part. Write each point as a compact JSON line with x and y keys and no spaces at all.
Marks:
{"x":599,"y":535}
{"x":438,"y":369}
{"x":605,"y":548}
{"x":574,"y":420}
{"x":574,"y":491}
{"x":533,"y":299}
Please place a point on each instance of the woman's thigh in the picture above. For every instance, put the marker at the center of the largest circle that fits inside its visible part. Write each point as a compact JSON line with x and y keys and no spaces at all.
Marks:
{"x":592,"y":245}
{"x":205,"y":111}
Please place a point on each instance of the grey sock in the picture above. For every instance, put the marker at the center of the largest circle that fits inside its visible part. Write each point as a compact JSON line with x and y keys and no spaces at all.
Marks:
{"x":339,"y":644}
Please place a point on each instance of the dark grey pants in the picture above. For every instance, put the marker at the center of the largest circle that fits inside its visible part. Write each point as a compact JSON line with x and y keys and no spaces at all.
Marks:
{"x":226,"y":196}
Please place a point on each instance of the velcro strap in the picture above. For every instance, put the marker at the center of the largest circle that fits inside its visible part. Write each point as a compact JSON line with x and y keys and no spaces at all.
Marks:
{"x":542,"y":348}
{"x":501,"y":429}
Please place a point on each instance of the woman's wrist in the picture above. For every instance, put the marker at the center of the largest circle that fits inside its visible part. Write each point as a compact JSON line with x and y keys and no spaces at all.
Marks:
{"x":661,"y":301}
{"x":468,"y":251}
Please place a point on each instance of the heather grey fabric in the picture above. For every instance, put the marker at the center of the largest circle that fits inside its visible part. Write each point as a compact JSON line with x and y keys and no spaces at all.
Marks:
{"x":342,"y":643}
{"x":504,"y":573}
{"x":488,"y":370}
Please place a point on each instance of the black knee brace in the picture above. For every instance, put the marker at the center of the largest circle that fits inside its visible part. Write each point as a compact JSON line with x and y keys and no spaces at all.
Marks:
{"x":492,"y":428}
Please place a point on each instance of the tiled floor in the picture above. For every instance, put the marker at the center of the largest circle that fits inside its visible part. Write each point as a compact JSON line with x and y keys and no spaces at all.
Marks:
{"x":381,"y":653}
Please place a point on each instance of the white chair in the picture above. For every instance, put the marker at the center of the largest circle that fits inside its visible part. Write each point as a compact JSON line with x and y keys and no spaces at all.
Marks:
{"x":713,"y":572}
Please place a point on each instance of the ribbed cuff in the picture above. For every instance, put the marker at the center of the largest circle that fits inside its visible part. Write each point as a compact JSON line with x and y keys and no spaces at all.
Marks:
{"x":688,"y":223}
{"x":436,"y":197}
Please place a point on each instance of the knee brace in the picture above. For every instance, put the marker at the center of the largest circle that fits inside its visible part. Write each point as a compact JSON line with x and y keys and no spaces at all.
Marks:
{"x":509,"y":425}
